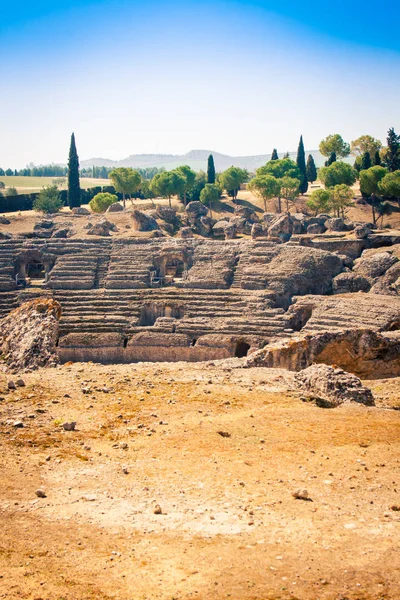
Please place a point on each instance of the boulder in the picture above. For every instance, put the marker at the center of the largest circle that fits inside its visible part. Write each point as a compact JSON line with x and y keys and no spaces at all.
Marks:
{"x":375,"y":265}
{"x":143,"y":222}
{"x":195,"y":210}
{"x":345,"y":283}
{"x":166,"y":213}
{"x":4,"y":221}
{"x":102,"y":228}
{"x":167,"y":227}
{"x":316,"y":229}
{"x":257,"y":230}
{"x":362,"y":231}
{"x":5,"y":236}
{"x":44,"y":224}
{"x":204,"y":225}
{"x":80,"y":211}
{"x":331,"y":387}
{"x":29,"y":334}
{"x":335,"y":224}
{"x":224,"y":229}
{"x":186,"y":233}
{"x":115,"y":207}
{"x":64,"y":232}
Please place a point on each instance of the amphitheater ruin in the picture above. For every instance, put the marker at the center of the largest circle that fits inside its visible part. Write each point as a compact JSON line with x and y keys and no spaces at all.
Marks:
{"x":170,"y":298}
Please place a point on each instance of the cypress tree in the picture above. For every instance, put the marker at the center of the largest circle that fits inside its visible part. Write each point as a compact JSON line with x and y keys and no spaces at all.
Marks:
{"x":311,"y":170}
{"x":331,"y":159}
{"x":377,"y":159}
{"x":393,"y":151}
{"x":210,"y":169}
{"x":366,"y":162}
{"x":74,"y":189}
{"x":301,"y":163}
{"x":274,"y":155}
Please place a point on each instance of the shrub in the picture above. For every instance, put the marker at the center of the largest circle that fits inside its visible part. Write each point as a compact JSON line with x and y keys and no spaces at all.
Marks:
{"x":11,"y":191}
{"x":102,"y":201}
{"x":49,"y":200}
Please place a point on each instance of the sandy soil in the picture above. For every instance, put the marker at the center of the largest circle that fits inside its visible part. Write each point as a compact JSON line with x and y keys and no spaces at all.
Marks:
{"x":147,"y":435}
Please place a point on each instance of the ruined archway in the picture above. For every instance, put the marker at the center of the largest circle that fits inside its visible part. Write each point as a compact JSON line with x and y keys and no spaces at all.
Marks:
{"x":241,"y":349}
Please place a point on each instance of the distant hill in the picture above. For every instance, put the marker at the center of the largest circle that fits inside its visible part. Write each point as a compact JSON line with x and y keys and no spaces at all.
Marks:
{"x":196,"y":159}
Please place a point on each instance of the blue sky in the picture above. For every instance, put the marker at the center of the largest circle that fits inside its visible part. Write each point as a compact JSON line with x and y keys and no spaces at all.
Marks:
{"x":168,"y":76}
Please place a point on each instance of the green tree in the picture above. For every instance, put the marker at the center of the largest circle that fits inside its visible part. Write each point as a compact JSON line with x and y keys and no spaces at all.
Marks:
{"x":199,"y":184}
{"x":369,"y":186}
{"x":9,"y":172}
{"x":301,"y":163}
{"x":311,"y":170}
{"x":377,"y":159}
{"x":274,"y":155}
{"x":336,"y":174}
{"x":210,"y":169}
{"x":126,"y":181}
{"x":49,"y":200}
{"x":190,"y":177}
{"x":284,"y":167}
{"x":74,"y":188}
{"x":232,"y":179}
{"x":11,"y":191}
{"x":392,"y":158}
{"x":100,"y":202}
{"x":389,"y":185}
{"x":366,"y":162}
{"x":168,"y":184}
{"x":332,"y":158}
{"x":290,"y":188}
{"x":209,"y":195}
{"x":266,"y":187}
{"x":319,"y":201}
{"x":365,"y":143}
{"x":2,"y":185}
{"x":341,"y":196}
{"x":334,"y":143}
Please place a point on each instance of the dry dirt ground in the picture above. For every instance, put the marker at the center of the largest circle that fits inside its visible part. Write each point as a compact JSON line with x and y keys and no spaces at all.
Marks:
{"x":148,"y":435}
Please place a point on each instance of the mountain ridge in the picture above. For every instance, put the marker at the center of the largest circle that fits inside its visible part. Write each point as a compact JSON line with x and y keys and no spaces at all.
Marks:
{"x":196,"y":159}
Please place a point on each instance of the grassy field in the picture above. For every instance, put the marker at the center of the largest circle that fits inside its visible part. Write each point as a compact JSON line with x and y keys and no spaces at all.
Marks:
{"x":26,"y":185}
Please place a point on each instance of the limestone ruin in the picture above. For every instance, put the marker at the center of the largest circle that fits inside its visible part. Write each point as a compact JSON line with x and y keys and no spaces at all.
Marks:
{"x":194,"y":298}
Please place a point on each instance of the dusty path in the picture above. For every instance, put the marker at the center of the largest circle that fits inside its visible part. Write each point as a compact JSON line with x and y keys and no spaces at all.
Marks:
{"x":147,"y":435}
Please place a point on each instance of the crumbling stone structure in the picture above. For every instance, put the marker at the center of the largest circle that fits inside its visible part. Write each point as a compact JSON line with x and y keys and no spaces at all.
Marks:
{"x":150,"y":299}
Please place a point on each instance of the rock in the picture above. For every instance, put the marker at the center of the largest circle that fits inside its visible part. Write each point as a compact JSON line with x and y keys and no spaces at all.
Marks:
{"x":156,"y":234}
{"x":224,"y":434}
{"x":88,"y":226}
{"x":29,"y":334}
{"x":143,"y":222}
{"x":20,"y":383}
{"x":300,"y":495}
{"x":4,"y":220}
{"x":157,"y":510}
{"x":257,"y":230}
{"x":115,"y":207}
{"x":316,"y":228}
{"x":345,"y":283}
{"x":280,"y":226}
{"x":11,"y":385}
{"x":195,"y":210}
{"x":64,"y":232}
{"x":335,"y":224}
{"x":69,"y":426}
{"x":375,"y":265}
{"x":333,"y":386}
{"x":44,"y":224}
{"x":80,"y":211}
{"x":167,"y":214}
{"x":5,"y":236}
{"x":18,"y":424}
{"x":186,"y":233}
{"x":362,"y":231}
{"x":40,"y":493}
{"x":225,"y":229}
{"x":99,"y":230}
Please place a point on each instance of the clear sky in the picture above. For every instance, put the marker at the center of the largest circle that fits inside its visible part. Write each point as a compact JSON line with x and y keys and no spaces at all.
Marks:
{"x":170,"y":76}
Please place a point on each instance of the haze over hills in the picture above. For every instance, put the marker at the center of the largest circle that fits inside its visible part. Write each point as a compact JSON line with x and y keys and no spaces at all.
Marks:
{"x":196,"y":159}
